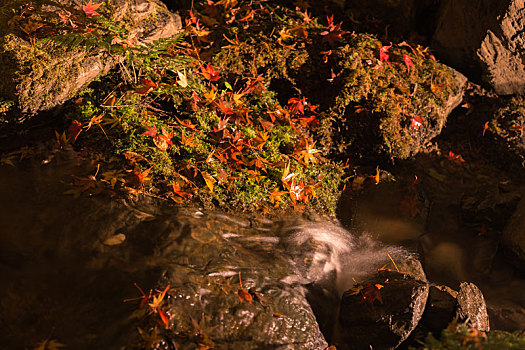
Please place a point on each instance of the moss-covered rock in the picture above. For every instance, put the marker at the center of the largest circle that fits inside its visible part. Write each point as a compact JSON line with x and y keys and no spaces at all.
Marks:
{"x":394,"y":98}
{"x":390,"y":99}
{"x":41,"y":74}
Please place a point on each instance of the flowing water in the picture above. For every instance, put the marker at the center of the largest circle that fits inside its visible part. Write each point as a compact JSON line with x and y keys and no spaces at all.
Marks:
{"x":67,"y":264}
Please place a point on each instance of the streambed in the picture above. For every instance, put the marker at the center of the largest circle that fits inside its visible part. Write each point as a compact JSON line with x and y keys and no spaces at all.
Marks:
{"x":71,"y":268}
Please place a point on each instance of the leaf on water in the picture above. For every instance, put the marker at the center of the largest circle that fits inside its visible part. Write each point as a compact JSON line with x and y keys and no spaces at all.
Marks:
{"x":117,"y":239}
{"x":158,"y":299}
{"x":164,"y":318}
{"x":49,"y":345}
{"x":210,"y":181}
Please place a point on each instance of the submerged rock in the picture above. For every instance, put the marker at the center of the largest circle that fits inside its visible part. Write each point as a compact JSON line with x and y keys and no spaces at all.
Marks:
{"x":41,"y":75}
{"x":483,"y":38}
{"x":382,"y":318}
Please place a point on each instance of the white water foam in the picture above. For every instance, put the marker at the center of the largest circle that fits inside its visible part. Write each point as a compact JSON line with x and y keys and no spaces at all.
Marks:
{"x":327,"y":253}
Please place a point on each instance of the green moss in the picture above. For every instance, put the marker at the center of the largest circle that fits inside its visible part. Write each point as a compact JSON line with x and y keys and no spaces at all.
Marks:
{"x":465,"y":338}
{"x":385,"y":97}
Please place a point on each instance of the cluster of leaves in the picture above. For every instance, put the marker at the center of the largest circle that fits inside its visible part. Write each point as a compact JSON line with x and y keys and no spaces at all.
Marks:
{"x":391,"y":96}
{"x":175,"y":119}
{"x":462,"y":337}
{"x":72,"y":26}
{"x":181,"y":326}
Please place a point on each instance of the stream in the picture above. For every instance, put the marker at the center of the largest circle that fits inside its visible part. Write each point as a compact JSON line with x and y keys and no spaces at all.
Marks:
{"x":71,"y":268}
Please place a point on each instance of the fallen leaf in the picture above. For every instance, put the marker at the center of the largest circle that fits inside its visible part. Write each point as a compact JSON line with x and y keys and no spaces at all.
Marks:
{"x":90,"y":9}
{"x":408,"y":62}
{"x":209,"y":73}
{"x":383,"y":53}
{"x":164,"y":318}
{"x":371,"y":293}
{"x":182,"y":81}
{"x":49,"y":345}
{"x":485,"y":127}
{"x":209,"y":180}
{"x":117,"y":239}
{"x":74,"y":130}
{"x":159,"y":298}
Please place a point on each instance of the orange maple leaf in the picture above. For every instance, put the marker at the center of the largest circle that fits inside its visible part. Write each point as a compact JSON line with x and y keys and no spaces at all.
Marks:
{"x":164,"y":318}
{"x":147,"y":85}
{"x":243,"y":294}
{"x":90,"y":9}
{"x":209,"y":73}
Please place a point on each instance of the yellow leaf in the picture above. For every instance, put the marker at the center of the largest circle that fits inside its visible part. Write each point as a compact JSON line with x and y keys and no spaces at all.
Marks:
{"x":209,"y":180}
{"x":182,"y":81}
{"x":210,"y":96}
{"x":157,"y":300}
{"x":115,"y":239}
{"x":49,"y":345}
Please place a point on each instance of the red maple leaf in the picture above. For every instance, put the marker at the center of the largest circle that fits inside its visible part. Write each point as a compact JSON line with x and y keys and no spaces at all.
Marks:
{"x":210,"y":73}
{"x":383,"y":53}
{"x":371,"y":293}
{"x":147,"y":85}
{"x":164,"y":318}
{"x":152,"y":131}
{"x":417,"y":122}
{"x":455,"y":157}
{"x":296,"y":105}
{"x":90,"y":9}
{"x":408,"y":62}
{"x":334,"y":32}
{"x":74,"y":130}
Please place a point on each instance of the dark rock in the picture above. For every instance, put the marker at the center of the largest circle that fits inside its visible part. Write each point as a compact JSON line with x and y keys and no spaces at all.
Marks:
{"x":400,"y":17}
{"x":41,"y":76}
{"x":208,"y":266}
{"x":382,"y":325}
{"x":471,"y":307}
{"x":483,"y":39}
{"x":440,"y":309}
{"x":513,"y":239}
{"x":412,"y":267}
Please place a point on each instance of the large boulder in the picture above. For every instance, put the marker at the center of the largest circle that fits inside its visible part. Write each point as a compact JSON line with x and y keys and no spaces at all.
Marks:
{"x":393,"y":105}
{"x":382,"y":313}
{"x":484,"y":39}
{"x":39,"y":75}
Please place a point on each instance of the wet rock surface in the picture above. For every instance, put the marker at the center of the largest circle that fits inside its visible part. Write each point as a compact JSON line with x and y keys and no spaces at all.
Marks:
{"x":471,"y":307}
{"x":383,"y":323}
{"x":42,"y":76}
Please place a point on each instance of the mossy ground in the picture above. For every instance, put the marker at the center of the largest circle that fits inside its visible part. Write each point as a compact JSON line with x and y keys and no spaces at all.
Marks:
{"x":461,"y":337}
